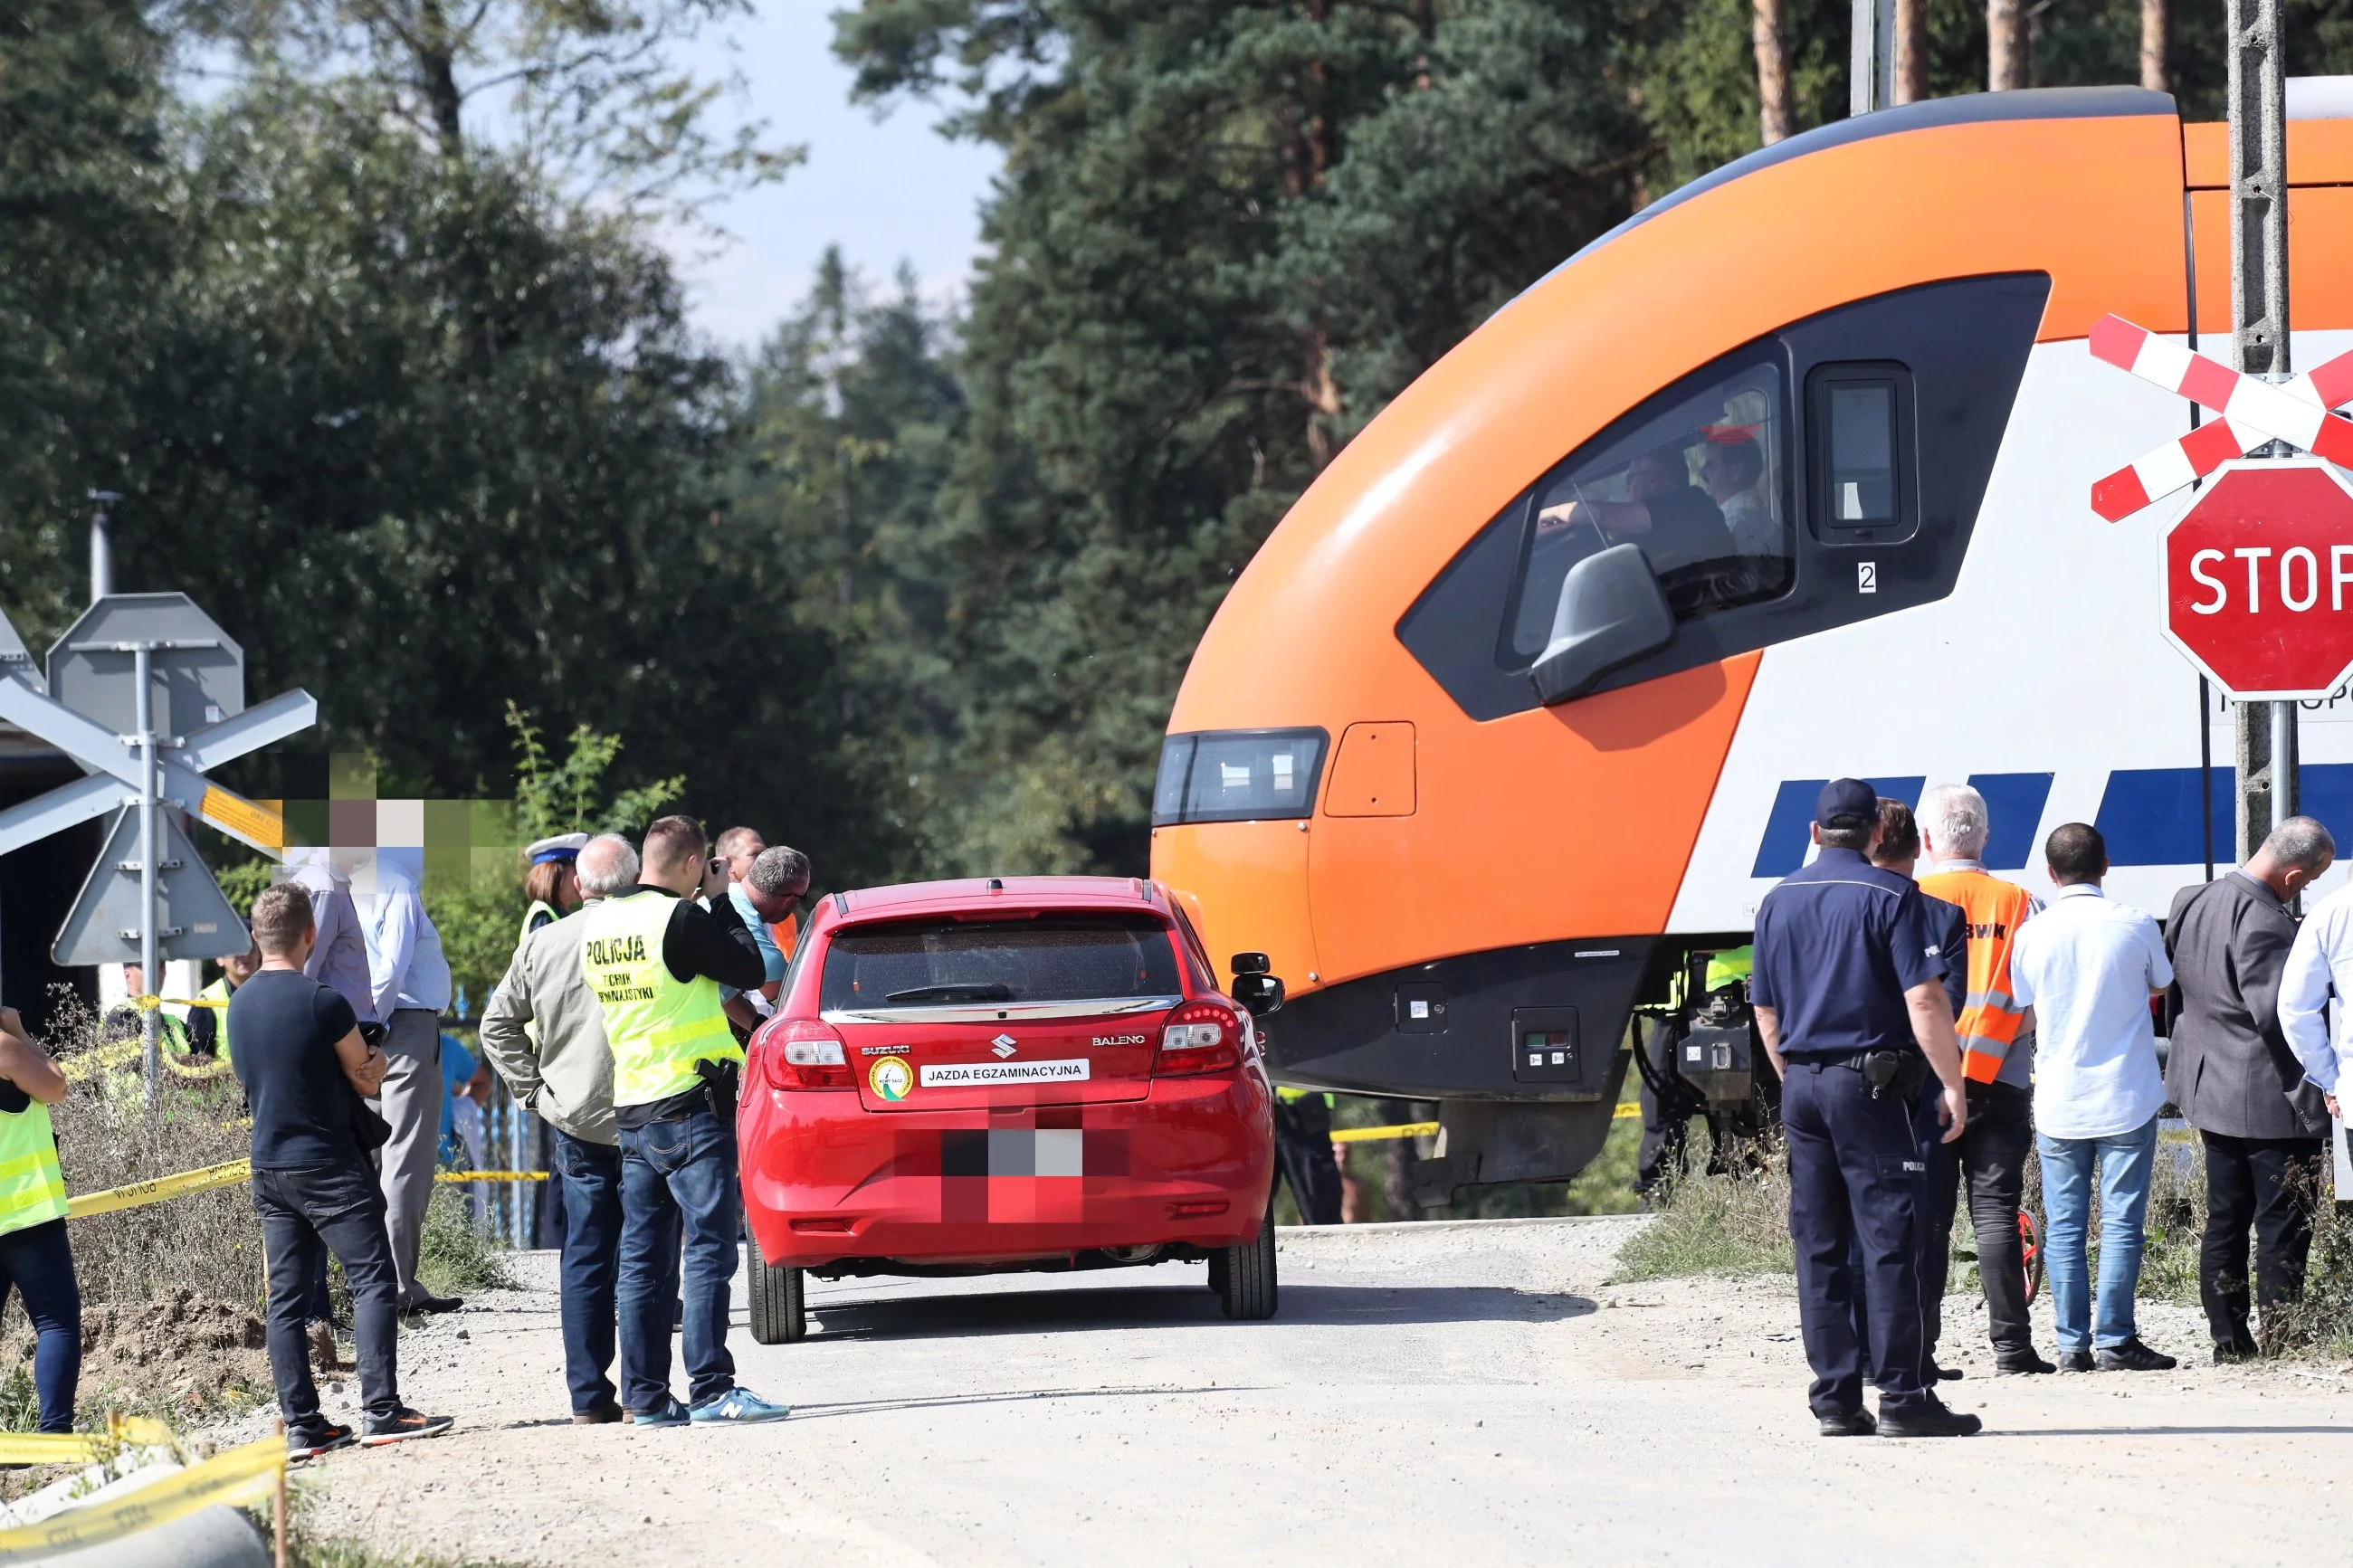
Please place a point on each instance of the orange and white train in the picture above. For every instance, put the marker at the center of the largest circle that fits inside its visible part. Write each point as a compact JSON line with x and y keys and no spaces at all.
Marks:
{"x":1480,"y":778}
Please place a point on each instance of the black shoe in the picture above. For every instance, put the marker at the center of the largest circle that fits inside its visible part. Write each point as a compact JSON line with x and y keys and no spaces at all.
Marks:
{"x":310,"y":1442}
{"x":2134,"y":1356}
{"x":1949,"y":1374}
{"x":401,"y":1425}
{"x":2235,"y":1356}
{"x":2076,"y":1360}
{"x":1854,"y":1424}
{"x":434,"y":1304}
{"x":1930,"y":1419}
{"x":601,"y":1415}
{"x":2021,"y":1365}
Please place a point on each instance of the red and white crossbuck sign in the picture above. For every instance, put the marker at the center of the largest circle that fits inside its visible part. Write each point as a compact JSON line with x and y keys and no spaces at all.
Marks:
{"x":2253,"y":411}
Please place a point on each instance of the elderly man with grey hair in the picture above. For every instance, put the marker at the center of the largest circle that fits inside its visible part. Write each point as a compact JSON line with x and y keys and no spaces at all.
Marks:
{"x":565,"y":1077}
{"x":1998,"y":1059}
{"x":2237,"y":1079}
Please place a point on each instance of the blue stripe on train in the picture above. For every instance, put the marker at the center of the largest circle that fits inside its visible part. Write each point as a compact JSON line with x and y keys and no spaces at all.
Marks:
{"x":2013,"y":802}
{"x":2149,"y":815}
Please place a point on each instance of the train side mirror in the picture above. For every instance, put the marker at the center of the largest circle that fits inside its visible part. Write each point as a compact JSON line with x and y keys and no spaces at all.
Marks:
{"x":1611,"y":614}
{"x":1251,"y":963}
{"x":1261,"y":994}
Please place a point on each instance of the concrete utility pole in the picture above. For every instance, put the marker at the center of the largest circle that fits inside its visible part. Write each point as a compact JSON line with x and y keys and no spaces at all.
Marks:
{"x":2266,"y":749}
{"x":1871,"y":62}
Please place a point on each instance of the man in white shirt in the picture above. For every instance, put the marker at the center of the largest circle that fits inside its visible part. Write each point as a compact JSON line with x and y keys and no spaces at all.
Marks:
{"x":340,"y":959}
{"x":2087,"y":967}
{"x":410,"y":981}
{"x":2319,"y":965}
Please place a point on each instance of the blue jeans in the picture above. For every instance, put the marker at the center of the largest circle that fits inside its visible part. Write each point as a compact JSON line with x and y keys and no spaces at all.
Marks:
{"x":2123,"y":1164}
{"x":590,"y":1177}
{"x":677,"y":1176}
{"x":37,"y":1263}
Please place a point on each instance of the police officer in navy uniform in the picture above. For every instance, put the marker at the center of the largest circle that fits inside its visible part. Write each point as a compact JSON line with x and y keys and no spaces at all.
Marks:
{"x":1850,"y":997}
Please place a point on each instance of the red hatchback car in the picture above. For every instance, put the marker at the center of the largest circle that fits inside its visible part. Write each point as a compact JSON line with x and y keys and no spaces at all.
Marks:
{"x":1026,"y":1073}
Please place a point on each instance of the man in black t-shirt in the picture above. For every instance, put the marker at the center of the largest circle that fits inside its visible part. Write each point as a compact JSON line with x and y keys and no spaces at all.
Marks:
{"x":305,"y":1070}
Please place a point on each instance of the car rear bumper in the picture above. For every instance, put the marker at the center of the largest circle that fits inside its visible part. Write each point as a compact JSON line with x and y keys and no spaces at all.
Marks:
{"x":825,"y":1180}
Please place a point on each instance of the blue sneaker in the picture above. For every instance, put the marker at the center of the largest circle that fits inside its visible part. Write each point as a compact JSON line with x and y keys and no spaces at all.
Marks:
{"x":740,"y":1405}
{"x":672,"y":1414}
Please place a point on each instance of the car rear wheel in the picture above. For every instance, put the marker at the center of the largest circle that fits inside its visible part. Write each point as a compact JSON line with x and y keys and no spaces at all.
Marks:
{"x":1244,"y":1274}
{"x":779,"y":1306}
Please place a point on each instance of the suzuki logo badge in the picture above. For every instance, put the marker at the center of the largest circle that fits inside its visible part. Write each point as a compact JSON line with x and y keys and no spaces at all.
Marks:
{"x":1003,"y":1046}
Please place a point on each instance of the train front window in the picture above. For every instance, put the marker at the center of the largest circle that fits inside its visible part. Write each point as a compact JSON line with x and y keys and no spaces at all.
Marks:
{"x":1699,"y":483}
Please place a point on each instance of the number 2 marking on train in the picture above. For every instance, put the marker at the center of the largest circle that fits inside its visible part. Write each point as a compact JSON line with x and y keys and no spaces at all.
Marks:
{"x":1866,"y":576}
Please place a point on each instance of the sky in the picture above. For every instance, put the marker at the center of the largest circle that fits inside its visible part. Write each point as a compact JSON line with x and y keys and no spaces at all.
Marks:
{"x":885,"y":191}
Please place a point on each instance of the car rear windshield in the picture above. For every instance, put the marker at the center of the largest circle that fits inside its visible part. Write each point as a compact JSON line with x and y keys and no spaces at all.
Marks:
{"x":947,"y":964}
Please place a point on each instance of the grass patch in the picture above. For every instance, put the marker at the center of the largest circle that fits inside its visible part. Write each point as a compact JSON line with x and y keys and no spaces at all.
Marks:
{"x":455,"y":1256}
{"x":1733,"y":1226}
{"x":306,"y":1551}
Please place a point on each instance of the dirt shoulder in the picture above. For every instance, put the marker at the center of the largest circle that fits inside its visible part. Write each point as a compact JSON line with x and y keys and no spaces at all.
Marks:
{"x":1478,"y":1390}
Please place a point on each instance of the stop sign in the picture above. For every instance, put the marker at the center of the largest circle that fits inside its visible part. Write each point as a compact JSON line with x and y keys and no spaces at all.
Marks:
{"x":2259,"y":579}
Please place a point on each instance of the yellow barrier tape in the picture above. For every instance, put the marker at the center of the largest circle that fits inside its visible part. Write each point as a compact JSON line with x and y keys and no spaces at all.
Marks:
{"x":489,"y":1175}
{"x":82,"y":1447}
{"x":1382,"y":1134}
{"x":237,"y":1477}
{"x":161,"y":1187}
{"x":1425,"y":1129}
{"x":90,"y":1064}
{"x":149,"y":1003}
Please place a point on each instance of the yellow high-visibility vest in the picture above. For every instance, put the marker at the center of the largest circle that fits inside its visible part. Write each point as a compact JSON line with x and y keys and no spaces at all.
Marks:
{"x":218,"y":990}
{"x":32,"y":1187}
{"x":657,"y":1026}
{"x":1723,"y":968}
{"x":540,"y":914}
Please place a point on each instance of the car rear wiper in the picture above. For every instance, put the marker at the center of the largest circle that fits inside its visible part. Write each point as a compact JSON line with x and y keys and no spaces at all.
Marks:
{"x":969,"y":991}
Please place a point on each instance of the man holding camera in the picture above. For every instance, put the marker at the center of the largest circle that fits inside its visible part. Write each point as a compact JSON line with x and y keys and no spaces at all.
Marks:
{"x":656,"y":959}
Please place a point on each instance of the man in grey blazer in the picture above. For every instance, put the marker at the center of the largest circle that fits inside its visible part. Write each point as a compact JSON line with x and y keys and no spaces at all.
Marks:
{"x":565,"y":1077}
{"x":2235,"y":1079}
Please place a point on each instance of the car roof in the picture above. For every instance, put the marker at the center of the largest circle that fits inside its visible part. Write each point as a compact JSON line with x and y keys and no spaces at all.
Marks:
{"x":980,"y":894}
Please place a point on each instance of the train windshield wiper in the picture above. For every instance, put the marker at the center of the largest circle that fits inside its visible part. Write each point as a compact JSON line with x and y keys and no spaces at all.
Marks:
{"x":968,"y":991}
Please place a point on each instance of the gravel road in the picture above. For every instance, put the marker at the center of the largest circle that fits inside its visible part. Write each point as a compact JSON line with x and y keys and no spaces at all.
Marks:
{"x":1475,"y":1392}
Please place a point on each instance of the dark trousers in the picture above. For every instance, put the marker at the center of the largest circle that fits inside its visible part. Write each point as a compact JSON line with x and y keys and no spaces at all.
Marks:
{"x":1303,"y":1142}
{"x":1660,"y":1154}
{"x":677,"y":1178}
{"x":590,"y":1177}
{"x":2269,"y":1183}
{"x":1992,"y":1168}
{"x":36,"y":1262}
{"x":303,"y":1213}
{"x":1856,"y":1177}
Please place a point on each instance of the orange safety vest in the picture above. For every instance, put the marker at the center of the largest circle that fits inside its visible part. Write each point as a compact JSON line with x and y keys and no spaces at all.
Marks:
{"x":1994,"y":909}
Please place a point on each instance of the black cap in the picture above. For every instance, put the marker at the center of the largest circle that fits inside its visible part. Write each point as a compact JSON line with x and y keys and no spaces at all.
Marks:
{"x":1846,"y":803}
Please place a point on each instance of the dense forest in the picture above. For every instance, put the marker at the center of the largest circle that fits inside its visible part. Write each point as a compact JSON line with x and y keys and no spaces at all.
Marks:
{"x":359,"y":305}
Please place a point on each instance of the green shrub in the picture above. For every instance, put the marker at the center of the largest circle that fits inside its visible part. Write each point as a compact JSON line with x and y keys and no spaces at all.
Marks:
{"x":455,"y":1256}
{"x":1730,"y":1225}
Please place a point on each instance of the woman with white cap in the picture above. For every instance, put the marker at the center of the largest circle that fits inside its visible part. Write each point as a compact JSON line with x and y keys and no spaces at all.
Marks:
{"x":551,"y":881}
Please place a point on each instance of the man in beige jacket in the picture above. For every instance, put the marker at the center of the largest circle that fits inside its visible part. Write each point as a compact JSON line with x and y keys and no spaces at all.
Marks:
{"x":565,"y":1078}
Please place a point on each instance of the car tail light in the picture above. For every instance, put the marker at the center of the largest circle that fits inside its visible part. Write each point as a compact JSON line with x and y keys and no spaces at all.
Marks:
{"x":1199,"y":1036}
{"x":807,"y":1053}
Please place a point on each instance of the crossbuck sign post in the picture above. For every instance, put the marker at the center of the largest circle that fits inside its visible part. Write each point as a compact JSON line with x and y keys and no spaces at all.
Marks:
{"x":157,"y":662}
